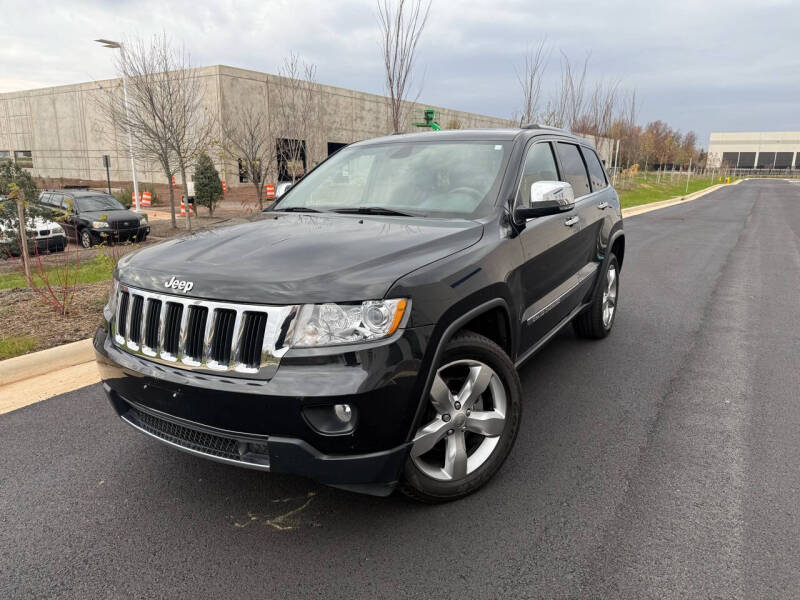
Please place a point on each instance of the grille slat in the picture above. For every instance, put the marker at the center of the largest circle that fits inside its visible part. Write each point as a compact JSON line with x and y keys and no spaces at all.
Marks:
{"x":220,"y":350}
{"x":135,"y":320}
{"x":198,"y":334}
{"x":153,"y":323}
{"x":172,"y":328}
{"x":195,"y":332}
{"x":254,"y":326}
{"x":122,"y":314}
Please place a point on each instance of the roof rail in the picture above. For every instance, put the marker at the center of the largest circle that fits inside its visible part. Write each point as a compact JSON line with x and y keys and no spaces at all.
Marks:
{"x":540,"y":126}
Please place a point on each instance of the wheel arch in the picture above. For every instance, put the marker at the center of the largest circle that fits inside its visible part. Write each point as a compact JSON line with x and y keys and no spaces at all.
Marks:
{"x":616,"y":241}
{"x":477,"y":316}
{"x":618,"y":247}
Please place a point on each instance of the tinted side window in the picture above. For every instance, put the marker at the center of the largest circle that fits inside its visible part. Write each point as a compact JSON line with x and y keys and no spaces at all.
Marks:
{"x":540,"y":165}
{"x":46,"y":198}
{"x":574,"y":171}
{"x":596,"y":174}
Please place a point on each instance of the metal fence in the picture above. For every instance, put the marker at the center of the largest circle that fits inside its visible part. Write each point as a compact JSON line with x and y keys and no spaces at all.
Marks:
{"x":771,"y":173}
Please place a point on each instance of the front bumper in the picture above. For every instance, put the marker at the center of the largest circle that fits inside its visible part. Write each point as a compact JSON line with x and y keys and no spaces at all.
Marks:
{"x":121,"y":235}
{"x":53,"y":243}
{"x":266,"y":424}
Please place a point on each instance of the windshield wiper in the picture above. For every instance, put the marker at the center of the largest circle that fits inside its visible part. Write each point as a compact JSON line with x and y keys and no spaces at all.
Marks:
{"x":296,"y":209}
{"x":374,"y":210}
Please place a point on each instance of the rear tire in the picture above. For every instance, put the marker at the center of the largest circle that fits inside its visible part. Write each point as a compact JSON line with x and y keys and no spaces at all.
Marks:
{"x":470,"y":423}
{"x":598,"y":319}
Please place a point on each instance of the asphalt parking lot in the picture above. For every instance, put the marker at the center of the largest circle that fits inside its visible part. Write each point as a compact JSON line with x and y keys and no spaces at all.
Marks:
{"x":661,"y":462}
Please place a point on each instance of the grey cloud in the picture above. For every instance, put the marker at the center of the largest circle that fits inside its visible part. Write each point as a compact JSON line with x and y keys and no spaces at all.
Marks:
{"x":714,"y":65}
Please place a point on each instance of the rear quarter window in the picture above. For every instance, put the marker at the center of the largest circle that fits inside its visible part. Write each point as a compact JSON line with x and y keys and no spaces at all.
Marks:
{"x":597,"y":176}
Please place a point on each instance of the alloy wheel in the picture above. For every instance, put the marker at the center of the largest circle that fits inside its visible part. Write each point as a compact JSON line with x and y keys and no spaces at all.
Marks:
{"x":610,"y":296}
{"x":468,"y":406}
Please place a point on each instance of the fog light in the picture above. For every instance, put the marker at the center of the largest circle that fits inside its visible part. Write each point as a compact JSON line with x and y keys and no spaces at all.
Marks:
{"x":332,"y":419}
{"x":343,"y":412}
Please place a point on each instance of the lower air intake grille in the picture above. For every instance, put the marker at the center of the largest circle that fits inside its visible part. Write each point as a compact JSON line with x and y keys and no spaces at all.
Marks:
{"x":183,"y":436}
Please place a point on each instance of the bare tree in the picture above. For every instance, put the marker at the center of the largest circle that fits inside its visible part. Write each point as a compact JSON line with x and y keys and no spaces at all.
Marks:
{"x":599,"y":113}
{"x":401,"y":25}
{"x":248,"y":134}
{"x":297,"y":114}
{"x":568,"y":105}
{"x":189,"y":124}
{"x":151,"y":104}
{"x":530,"y":80}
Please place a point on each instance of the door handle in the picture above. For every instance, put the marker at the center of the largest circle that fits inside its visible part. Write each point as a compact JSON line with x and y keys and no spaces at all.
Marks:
{"x":603,"y":205}
{"x":572,"y":221}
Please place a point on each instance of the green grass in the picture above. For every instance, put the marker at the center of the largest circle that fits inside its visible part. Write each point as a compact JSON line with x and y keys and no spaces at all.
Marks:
{"x":637,"y":191}
{"x":89,"y":272}
{"x":15,"y":346}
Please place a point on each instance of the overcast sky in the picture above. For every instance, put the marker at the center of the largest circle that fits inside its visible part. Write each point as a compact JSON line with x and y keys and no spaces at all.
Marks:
{"x":706,"y":65}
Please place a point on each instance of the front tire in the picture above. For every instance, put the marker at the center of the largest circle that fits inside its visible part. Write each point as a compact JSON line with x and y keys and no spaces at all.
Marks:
{"x":85,"y":238}
{"x":598,"y":319}
{"x":470,"y":422}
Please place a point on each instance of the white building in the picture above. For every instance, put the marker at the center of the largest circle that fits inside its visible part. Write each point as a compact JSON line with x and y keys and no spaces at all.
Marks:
{"x":58,"y":132}
{"x":755,"y":150}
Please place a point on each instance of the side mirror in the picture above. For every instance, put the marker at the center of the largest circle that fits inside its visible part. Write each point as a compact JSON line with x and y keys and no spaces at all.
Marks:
{"x":282,"y":189}
{"x":547,"y":198}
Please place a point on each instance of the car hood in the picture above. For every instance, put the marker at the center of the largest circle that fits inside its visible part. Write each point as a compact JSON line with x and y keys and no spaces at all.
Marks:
{"x":299,"y":258}
{"x":111,"y":216}
{"x":32,"y":223}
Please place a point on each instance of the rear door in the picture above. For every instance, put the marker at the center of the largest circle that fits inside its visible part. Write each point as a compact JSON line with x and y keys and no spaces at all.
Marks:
{"x":596,"y":210}
{"x":549,"y":245}
{"x":585,"y":261}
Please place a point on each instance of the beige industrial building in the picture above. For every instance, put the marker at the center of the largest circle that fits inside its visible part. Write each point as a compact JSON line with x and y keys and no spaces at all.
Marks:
{"x":59,"y":132}
{"x":755,"y":150}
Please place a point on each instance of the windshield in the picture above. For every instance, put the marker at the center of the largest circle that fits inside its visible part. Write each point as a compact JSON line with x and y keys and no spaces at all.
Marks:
{"x":93,"y":203}
{"x":439,"y":179}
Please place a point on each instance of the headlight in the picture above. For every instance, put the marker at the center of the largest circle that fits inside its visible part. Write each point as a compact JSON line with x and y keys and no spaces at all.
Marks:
{"x":142,"y":220}
{"x":99,"y":225}
{"x":332,"y":324}
{"x":57,"y":229}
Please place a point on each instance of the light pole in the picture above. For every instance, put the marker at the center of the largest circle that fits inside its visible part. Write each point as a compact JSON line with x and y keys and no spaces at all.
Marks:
{"x":111,"y":44}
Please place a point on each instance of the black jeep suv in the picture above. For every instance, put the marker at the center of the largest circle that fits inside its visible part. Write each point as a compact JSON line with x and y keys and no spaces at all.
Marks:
{"x":367,"y":330}
{"x":94,"y":217}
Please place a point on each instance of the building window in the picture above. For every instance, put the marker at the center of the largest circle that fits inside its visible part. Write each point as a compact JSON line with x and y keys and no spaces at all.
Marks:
{"x":747,"y":160}
{"x":24,"y":158}
{"x":335,"y":147}
{"x":730,"y":159}
{"x":766,"y":160}
{"x":783,"y":160}
{"x":5,"y":155}
{"x":291,"y":159}
{"x":242,"y":172}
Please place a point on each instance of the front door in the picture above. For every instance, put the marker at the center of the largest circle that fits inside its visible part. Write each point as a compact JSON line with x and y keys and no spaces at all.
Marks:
{"x":550,"y":248}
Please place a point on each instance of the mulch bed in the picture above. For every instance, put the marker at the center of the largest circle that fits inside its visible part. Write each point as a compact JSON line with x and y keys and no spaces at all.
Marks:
{"x":24,"y":313}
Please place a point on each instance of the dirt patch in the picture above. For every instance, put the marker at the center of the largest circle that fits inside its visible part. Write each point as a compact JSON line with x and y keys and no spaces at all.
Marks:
{"x":23,"y":313}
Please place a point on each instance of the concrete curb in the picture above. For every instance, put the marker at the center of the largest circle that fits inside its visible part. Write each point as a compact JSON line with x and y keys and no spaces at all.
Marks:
{"x":645,"y":208}
{"x":46,"y":361}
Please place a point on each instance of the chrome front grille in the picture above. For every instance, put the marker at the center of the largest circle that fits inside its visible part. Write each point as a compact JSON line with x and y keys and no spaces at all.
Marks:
{"x":245,"y":339}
